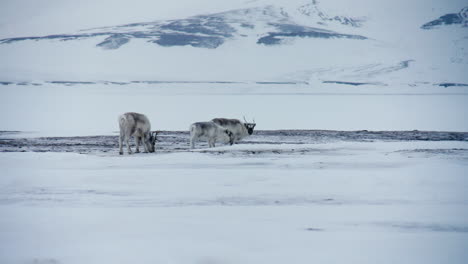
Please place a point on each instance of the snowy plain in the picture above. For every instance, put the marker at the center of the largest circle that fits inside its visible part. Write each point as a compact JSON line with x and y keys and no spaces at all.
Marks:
{"x":285,"y":199}
{"x":344,"y":202}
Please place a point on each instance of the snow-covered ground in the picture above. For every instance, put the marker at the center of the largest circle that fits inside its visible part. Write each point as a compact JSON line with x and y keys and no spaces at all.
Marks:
{"x":341,"y":202}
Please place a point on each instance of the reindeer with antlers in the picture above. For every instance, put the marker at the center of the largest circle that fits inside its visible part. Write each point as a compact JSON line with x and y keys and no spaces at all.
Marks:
{"x":137,"y":125}
{"x":239,"y":129}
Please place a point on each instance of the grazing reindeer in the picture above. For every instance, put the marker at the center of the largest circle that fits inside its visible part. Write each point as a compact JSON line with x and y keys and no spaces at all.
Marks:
{"x":209,"y":131}
{"x":239,"y":129}
{"x":137,"y":125}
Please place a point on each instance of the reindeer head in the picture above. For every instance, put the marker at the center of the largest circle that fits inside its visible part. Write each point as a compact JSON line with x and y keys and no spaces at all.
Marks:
{"x":152,"y":138}
{"x":249,"y":126}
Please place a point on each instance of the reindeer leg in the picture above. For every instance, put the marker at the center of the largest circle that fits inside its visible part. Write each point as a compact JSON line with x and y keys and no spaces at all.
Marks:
{"x":120,"y":143}
{"x":144,"y":143}
{"x":129,"y":150}
{"x":192,"y":143}
{"x":137,"y":140}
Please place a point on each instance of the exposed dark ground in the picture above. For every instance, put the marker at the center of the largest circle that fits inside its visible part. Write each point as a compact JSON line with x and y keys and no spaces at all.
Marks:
{"x":174,"y":141}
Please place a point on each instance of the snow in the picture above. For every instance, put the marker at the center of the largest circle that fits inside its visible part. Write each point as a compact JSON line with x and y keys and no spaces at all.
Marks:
{"x":385,"y":200}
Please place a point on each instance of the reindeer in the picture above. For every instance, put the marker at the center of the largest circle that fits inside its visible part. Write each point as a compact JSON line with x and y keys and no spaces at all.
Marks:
{"x":209,"y":131}
{"x":137,"y":125}
{"x":238,"y":128}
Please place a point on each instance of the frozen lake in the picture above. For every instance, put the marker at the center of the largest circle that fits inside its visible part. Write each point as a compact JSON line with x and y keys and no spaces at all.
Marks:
{"x":57,"y":109}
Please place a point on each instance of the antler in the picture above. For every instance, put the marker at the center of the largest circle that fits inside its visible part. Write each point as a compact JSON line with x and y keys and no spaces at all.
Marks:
{"x":253,"y":122}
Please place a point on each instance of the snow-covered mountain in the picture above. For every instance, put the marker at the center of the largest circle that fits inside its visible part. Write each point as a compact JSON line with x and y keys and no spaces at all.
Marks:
{"x":304,"y":41}
{"x":270,"y":25}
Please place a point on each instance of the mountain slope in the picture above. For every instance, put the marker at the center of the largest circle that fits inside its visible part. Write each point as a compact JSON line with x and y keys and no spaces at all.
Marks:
{"x":266,"y":41}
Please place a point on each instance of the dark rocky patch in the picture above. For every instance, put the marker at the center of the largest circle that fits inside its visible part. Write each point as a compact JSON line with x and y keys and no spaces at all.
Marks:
{"x":348,"y":83}
{"x":178,"y":39}
{"x":412,"y":226}
{"x":63,"y":37}
{"x":176,"y":141}
{"x":292,"y":31}
{"x":449,"y":19}
{"x":451,"y":84}
{"x":281,"y":82}
{"x":114,"y":41}
{"x":206,"y":25}
{"x":70,"y":83}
